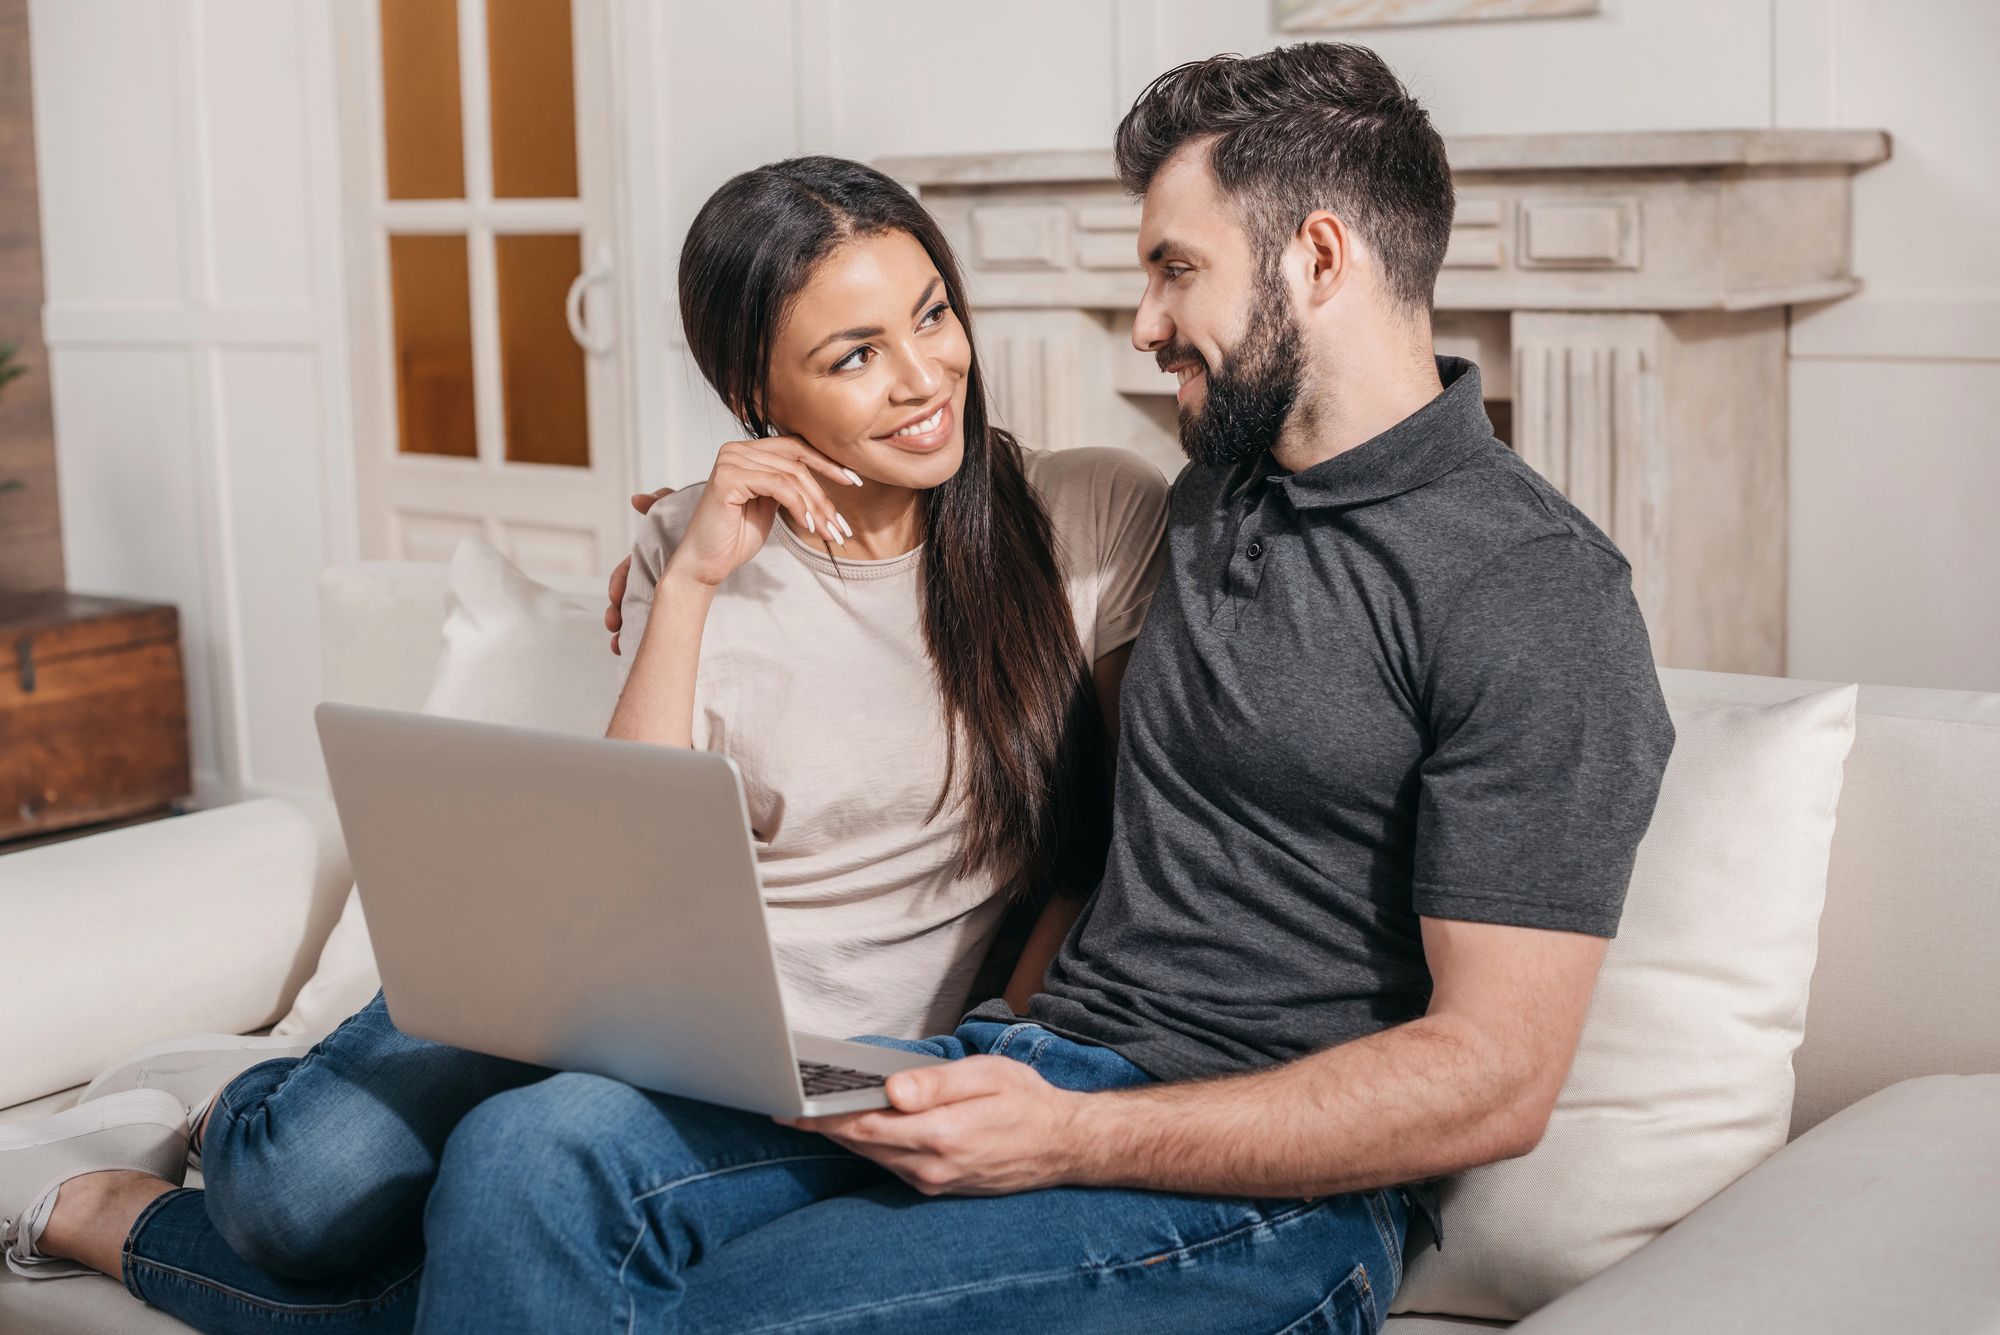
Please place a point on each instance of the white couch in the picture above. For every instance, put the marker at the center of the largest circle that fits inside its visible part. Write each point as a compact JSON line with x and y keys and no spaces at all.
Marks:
{"x":1887,"y":1217}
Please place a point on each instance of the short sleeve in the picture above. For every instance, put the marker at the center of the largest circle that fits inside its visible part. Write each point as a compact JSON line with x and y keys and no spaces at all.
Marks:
{"x":659,"y":534}
{"x":1549,"y":738}
{"x":1135,"y":552}
{"x":1109,"y":508}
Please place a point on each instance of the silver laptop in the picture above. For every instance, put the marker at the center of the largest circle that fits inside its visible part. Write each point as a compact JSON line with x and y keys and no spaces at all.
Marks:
{"x":582,"y":904}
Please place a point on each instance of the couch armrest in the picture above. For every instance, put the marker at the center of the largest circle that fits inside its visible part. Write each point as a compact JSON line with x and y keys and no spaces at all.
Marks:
{"x":202,"y":922}
{"x":1884,"y":1217}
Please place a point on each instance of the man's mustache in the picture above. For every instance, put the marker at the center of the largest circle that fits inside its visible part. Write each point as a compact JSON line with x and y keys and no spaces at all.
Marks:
{"x":1175,"y":354}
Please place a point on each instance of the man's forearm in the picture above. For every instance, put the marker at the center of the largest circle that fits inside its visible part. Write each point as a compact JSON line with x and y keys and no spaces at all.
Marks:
{"x":1430,"y":1097}
{"x":657,"y":704}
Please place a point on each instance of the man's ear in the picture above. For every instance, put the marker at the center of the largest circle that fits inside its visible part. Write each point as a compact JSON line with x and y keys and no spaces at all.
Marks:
{"x":1329,"y":246}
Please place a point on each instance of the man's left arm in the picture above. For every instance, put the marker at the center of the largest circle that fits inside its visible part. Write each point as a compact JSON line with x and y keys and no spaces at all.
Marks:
{"x":1472,"y":1081}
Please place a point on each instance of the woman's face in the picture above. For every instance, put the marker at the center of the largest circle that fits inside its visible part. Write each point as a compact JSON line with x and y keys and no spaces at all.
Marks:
{"x":870,"y":366}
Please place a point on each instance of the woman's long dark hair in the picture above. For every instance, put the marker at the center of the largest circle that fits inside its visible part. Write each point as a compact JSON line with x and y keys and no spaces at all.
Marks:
{"x":1025,"y":734}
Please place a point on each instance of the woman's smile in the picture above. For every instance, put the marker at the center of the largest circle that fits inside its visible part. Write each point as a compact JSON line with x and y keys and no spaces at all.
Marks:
{"x":926,"y":433}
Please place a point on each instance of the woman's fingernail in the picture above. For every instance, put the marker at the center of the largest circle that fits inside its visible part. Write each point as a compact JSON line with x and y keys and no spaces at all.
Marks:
{"x":809,"y":522}
{"x":852,"y":476}
{"x":845,"y":527}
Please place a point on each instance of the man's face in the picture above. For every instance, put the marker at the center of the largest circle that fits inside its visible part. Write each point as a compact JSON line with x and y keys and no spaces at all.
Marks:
{"x":1215,"y":316}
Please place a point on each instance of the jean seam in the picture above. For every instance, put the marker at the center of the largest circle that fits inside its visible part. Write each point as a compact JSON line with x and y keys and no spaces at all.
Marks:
{"x":639,"y":1233}
{"x":125,"y":1257}
{"x":934,"y":1295}
{"x":1007,"y":1037}
{"x":265,"y":1304}
{"x":1357,"y":1279}
{"x":1378,"y":1210}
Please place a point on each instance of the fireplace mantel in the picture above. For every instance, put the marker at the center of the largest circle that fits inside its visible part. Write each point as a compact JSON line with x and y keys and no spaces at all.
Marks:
{"x":1623,"y":294}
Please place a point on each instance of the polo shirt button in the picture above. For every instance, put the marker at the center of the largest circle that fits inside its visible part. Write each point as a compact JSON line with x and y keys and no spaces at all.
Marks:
{"x":1254,"y":550}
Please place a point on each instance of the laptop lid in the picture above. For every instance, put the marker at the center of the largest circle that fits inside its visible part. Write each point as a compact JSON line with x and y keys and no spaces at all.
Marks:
{"x":575,"y":902}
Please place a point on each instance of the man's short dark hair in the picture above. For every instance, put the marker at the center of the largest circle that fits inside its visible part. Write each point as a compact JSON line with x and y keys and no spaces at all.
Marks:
{"x":1320,"y":125}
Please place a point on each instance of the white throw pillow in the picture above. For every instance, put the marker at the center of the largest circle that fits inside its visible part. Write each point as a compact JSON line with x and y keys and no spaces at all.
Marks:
{"x":1683,"y":1080}
{"x":516,"y":652}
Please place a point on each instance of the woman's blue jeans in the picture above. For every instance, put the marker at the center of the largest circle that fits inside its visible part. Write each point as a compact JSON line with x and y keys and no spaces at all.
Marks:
{"x":578,"y":1203}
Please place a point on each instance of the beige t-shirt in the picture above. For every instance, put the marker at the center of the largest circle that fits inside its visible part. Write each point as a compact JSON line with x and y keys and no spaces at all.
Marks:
{"x":814,"y":680}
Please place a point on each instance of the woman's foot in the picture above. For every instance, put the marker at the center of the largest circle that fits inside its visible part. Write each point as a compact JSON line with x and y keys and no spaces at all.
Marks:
{"x":139,"y":1131}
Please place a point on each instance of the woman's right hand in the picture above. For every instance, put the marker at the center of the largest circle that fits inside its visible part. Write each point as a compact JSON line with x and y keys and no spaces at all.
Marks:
{"x":751,"y":479}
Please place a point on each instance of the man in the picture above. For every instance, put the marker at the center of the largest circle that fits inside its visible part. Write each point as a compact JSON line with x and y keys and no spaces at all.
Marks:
{"x":1390,"y":739}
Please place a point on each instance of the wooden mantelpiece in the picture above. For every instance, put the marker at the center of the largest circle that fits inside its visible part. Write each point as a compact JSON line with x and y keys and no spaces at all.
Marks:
{"x":1624,"y":294}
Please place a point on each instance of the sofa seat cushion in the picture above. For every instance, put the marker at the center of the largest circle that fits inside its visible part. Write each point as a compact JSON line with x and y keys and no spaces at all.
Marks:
{"x":83,"y":1305}
{"x":1683,"y":1080}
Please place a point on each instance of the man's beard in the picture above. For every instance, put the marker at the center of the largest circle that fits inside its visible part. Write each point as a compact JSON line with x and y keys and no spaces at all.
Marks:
{"x":1250,"y":396}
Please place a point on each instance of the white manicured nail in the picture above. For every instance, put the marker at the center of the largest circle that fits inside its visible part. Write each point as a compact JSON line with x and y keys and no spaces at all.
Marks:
{"x":809,"y":522}
{"x":852,"y":476}
{"x":845,"y":527}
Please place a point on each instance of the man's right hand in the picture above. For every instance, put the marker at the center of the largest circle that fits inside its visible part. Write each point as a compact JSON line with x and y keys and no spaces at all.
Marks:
{"x":614,"y":615}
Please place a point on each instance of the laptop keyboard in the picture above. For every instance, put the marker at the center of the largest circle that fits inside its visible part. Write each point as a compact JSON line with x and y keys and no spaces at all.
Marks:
{"x":821,"y":1079}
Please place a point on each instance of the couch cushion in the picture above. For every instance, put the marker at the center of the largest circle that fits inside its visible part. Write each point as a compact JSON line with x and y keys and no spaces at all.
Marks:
{"x":1683,"y":1080}
{"x":1886,"y":1217}
{"x":202,"y":922}
{"x":1905,"y":985}
{"x":82,"y":1305}
{"x":514,"y":651}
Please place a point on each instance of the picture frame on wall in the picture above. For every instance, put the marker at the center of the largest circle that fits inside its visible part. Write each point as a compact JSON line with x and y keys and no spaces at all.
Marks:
{"x":1325,"y":15}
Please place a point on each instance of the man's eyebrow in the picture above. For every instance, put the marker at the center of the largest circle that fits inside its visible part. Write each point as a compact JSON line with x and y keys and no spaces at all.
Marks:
{"x":1171,"y":246}
{"x":873,"y":330}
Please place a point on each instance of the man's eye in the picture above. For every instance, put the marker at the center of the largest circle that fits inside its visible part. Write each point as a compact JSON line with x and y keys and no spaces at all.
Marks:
{"x":1171,"y":273}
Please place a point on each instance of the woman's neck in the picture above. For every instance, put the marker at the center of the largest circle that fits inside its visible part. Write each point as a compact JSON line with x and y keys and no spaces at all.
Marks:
{"x":887,"y":521}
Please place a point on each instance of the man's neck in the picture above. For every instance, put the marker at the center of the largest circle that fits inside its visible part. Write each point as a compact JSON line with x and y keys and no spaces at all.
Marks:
{"x":1357,"y":391}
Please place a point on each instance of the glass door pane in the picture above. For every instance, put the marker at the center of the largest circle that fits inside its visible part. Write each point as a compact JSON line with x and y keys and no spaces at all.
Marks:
{"x":420,"y":108}
{"x":533,"y":96}
{"x":432,"y":304}
{"x":541,"y":367}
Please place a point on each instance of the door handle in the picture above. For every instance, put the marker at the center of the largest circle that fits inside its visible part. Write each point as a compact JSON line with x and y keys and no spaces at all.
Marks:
{"x":600,"y":271}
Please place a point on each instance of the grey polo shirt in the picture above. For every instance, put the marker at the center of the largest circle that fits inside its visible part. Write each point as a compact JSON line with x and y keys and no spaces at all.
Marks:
{"x":1411,"y":680}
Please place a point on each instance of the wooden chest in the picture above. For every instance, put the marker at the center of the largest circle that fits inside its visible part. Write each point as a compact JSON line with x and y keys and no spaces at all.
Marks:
{"x":93,"y":711}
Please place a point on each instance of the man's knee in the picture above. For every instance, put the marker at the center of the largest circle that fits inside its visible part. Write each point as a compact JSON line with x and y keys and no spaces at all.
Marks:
{"x":514,"y":1149}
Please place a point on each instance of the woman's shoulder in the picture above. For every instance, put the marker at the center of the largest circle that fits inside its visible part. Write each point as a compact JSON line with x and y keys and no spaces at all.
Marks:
{"x":663,"y":527}
{"x":1091,"y":486}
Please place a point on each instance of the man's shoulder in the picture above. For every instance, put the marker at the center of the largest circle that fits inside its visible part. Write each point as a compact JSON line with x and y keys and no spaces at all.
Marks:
{"x":1493,"y":506}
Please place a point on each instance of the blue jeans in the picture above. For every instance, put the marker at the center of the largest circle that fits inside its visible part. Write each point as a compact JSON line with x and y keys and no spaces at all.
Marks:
{"x":317,"y":1170}
{"x":574,"y":1202}
{"x":583,"y":1204}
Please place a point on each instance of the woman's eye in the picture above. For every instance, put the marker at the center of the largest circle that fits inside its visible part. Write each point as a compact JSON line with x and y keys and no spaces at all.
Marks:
{"x":933,"y":315}
{"x":852,"y":361}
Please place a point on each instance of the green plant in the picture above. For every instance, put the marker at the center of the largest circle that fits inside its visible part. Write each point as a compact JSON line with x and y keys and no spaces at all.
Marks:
{"x":9,"y":368}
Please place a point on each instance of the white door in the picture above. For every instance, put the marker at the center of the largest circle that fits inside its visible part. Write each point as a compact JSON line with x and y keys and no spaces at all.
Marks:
{"x":490,"y":378}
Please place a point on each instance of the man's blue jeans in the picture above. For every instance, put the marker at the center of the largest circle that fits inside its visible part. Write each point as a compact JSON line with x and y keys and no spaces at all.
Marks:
{"x":576,"y":1202}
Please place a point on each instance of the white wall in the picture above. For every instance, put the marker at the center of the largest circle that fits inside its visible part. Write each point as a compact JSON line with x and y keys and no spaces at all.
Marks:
{"x":190,"y":182}
{"x":1896,"y":392}
{"x":190,"y":233}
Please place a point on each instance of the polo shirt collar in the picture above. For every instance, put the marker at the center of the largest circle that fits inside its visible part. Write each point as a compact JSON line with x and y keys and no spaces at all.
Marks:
{"x":1421,"y":448}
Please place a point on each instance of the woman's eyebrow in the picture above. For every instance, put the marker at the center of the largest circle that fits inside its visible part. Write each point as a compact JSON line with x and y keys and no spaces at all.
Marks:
{"x":847,"y":336}
{"x":873,"y":330}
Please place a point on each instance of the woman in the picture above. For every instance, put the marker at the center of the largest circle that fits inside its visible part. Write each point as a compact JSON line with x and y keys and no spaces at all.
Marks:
{"x":915,"y":679}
